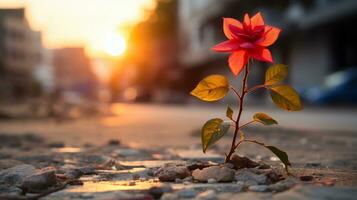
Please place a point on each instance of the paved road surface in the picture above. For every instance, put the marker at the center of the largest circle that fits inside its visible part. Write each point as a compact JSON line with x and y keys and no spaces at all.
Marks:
{"x":168,"y":125}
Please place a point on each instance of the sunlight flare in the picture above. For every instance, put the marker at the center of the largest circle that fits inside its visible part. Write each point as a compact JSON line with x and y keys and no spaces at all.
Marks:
{"x":115,"y":45}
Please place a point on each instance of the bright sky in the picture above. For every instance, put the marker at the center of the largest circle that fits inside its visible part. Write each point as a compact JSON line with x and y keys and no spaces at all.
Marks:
{"x":93,"y":24}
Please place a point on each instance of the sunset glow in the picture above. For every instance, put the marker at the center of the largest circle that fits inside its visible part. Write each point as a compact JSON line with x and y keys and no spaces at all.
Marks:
{"x":69,"y":23}
{"x":115,"y":45}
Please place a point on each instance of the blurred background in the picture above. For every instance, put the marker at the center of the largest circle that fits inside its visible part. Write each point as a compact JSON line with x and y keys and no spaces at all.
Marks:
{"x":66,"y":59}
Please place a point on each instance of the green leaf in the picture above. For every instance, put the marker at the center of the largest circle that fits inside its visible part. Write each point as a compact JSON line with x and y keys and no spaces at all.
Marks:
{"x":211,"y":88}
{"x":282,"y":155}
{"x":229,"y":113}
{"x":212,"y":131}
{"x":264,"y":119}
{"x":286,"y":98}
{"x":275,"y":74}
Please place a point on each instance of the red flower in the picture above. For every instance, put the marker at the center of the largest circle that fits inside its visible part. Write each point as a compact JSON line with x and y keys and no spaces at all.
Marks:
{"x":247,"y":40}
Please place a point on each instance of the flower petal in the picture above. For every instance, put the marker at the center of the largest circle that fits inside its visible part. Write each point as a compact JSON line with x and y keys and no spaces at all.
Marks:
{"x":257,"y":20}
{"x":270,"y":36}
{"x":247,"y":45}
{"x":261,"y":54}
{"x":226,"y":46}
{"x":238,"y":33}
{"x":237,"y":60}
{"x":246,"y":19}
{"x":230,"y":22}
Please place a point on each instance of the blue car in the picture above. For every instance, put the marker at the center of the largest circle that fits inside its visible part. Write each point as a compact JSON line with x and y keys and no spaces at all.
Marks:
{"x":339,"y":87}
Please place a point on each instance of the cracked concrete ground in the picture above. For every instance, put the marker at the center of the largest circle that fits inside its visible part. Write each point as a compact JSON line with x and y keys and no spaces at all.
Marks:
{"x":320,"y":142}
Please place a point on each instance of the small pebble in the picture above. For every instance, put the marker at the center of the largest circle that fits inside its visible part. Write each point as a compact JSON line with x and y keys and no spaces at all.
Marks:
{"x":240,"y":183}
{"x":211,"y":180}
{"x":189,"y":178}
{"x":258,"y":188}
{"x":169,"y":173}
{"x":250,"y":183}
{"x":40,"y":181}
{"x":220,"y":173}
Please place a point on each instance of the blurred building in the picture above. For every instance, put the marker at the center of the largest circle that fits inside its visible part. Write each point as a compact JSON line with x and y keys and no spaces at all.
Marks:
{"x":44,"y":72}
{"x":20,"y":53}
{"x":318,"y":37}
{"x":73,"y":72}
{"x":151,"y":60}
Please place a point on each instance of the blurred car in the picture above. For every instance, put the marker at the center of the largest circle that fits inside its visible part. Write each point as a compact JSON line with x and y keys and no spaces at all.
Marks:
{"x":339,"y":87}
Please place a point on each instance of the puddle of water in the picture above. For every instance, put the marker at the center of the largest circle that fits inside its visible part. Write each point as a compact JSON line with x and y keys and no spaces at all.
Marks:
{"x":113,"y":175}
{"x":125,"y":171}
{"x":107,"y":186}
{"x":149,"y":163}
{"x":66,"y":150}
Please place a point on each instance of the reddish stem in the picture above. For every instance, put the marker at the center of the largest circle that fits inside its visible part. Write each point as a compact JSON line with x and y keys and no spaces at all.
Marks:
{"x":255,"y":88}
{"x":235,"y":92}
{"x":241,"y":103}
{"x":246,"y":124}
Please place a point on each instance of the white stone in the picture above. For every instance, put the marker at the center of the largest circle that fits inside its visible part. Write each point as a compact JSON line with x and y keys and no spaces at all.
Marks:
{"x":219,"y":173}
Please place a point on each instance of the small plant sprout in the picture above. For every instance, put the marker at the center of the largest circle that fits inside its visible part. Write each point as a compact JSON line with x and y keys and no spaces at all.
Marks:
{"x":246,"y":42}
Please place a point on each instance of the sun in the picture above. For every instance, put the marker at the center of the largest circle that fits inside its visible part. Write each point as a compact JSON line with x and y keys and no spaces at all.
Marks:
{"x":115,"y":45}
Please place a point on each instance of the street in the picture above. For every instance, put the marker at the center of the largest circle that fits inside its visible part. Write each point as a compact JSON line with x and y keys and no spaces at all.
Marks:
{"x":320,"y":143}
{"x":142,"y":124}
